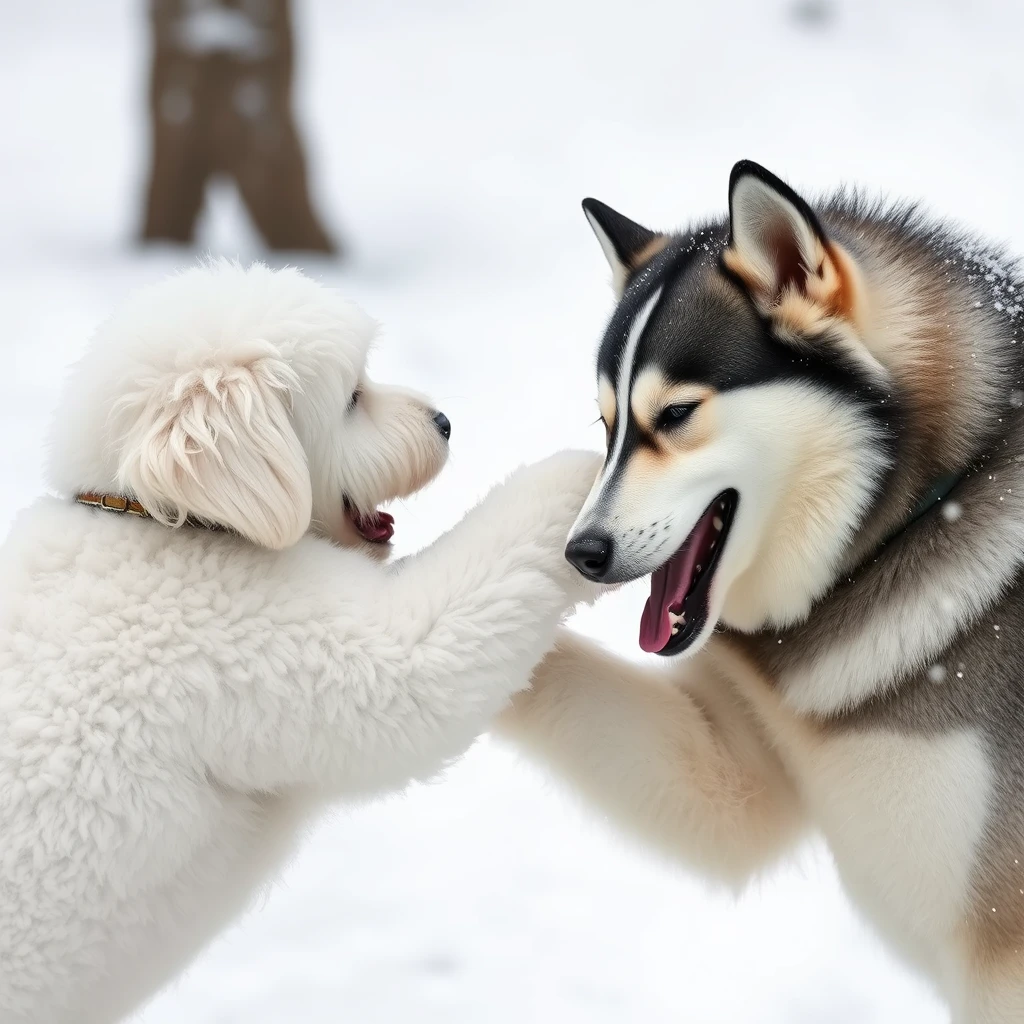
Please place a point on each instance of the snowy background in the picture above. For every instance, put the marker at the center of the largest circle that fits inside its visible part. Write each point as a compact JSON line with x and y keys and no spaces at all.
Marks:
{"x":451,"y":142}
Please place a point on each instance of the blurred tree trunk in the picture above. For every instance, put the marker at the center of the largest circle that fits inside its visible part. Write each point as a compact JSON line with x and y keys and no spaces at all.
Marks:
{"x":220,"y":103}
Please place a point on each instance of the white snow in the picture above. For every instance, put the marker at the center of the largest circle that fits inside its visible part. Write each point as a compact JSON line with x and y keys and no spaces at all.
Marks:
{"x":451,"y":143}
{"x":221,"y":30}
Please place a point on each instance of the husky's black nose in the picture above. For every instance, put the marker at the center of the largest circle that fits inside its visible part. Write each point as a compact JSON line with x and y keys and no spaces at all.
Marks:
{"x":443,"y":424}
{"x":591,"y":553}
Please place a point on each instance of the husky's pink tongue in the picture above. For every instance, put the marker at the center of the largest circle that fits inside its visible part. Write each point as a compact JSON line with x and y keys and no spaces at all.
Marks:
{"x":672,"y":582}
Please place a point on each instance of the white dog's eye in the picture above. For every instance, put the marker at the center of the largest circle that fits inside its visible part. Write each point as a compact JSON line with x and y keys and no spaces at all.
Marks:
{"x":354,"y":400}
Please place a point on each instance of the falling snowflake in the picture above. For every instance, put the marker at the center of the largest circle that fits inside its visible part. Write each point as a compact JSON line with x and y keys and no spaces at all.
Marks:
{"x":937,"y":673}
{"x":952,"y":510}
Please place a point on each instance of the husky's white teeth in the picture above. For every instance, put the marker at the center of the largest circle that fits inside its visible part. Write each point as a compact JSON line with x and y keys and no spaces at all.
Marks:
{"x":677,"y":620}
{"x":675,"y":630}
{"x":717,"y":524}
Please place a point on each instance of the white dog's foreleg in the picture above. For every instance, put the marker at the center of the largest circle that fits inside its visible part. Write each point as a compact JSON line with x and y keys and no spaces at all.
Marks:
{"x":685,"y":769}
{"x":391,"y":675}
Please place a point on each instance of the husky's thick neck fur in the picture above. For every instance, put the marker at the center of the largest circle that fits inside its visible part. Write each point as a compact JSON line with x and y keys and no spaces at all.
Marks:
{"x":817,"y":369}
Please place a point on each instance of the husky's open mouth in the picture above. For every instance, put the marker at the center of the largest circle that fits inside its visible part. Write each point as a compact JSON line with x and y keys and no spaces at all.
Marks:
{"x":677,"y":609}
{"x":376,"y":528}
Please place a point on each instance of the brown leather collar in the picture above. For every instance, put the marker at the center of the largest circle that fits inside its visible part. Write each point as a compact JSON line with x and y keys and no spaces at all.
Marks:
{"x":113,"y":503}
{"x":129,"y":506}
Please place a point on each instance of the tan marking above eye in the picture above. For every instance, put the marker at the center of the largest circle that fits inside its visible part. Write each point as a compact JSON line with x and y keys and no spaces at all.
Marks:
{"x":653,"y":391}
{"x":701,"y":428}
{"x":606,"y":401}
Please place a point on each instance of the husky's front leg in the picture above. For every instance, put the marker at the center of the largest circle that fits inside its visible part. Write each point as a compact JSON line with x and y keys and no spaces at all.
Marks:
{"x":687,"y":769}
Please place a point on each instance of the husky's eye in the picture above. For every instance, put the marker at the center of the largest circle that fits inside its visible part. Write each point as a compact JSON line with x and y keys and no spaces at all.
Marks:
{"x":354,"y":400}
{"x":673,"y":415}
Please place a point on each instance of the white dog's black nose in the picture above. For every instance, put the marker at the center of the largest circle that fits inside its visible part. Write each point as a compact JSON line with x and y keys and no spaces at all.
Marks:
{"x":591,"y":554}
{"x":443,"y":424}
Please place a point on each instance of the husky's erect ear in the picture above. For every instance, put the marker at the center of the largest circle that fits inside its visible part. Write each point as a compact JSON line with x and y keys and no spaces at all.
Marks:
{"x":217,"y":443}
{"x":626,"y":244}
{"x":778,"y":248}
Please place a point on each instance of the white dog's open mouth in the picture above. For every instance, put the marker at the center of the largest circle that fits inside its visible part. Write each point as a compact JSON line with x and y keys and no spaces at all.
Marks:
{"x":678,"y":607}
{"x":377,"y":527}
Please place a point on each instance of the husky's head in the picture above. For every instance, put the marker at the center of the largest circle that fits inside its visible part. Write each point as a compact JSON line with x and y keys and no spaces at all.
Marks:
{"x":746,"y":417}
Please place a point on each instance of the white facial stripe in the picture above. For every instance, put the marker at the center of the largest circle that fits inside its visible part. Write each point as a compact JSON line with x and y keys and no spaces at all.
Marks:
{"x":621,"y":411}
{"x":625,"y":376}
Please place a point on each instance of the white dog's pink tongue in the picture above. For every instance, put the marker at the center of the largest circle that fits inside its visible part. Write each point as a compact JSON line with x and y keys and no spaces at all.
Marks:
{"x":378,"y":528}
{"x":672,"y":582}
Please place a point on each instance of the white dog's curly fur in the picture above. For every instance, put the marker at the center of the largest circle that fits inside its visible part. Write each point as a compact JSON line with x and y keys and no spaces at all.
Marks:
{"x":175,"y":702}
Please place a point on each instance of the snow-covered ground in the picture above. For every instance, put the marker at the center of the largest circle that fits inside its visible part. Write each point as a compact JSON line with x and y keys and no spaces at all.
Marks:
{"x":451,"y":143}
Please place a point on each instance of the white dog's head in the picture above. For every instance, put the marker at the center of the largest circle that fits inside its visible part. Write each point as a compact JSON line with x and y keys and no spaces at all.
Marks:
{"x":239,"y":397}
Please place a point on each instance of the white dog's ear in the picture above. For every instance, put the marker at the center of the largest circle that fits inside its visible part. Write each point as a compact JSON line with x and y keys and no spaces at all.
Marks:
{"x":217,"y":443}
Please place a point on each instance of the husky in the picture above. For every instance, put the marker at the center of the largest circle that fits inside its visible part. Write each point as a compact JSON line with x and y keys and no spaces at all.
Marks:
{"x":816,"y":452}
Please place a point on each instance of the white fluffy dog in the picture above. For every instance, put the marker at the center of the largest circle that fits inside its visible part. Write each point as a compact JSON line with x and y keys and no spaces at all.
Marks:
{"x":176,"y":700}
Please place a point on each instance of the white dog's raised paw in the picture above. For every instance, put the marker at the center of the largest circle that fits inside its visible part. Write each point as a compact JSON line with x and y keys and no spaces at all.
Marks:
{"x":564,"y":479}
{"x":537,"y":506}
{"x":553,"y":491}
